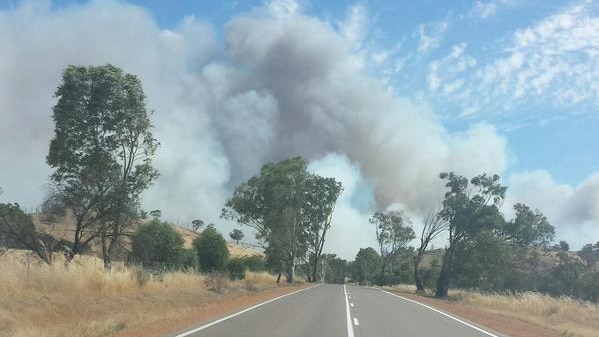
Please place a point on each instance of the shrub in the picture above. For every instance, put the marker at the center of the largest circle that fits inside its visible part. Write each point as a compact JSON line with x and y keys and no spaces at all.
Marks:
{"x":212,"y":250}
{"x":158,"y":245}
{"x":236,"y":268}
{"x":254,"y":263}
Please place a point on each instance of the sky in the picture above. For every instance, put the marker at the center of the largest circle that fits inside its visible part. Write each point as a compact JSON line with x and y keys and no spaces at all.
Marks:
{"x":383,"y":95}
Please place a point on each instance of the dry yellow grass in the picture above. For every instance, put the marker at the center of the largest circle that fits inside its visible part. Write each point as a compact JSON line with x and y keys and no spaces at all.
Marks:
{"x":82,"y":300}
{"x":564,"y":315}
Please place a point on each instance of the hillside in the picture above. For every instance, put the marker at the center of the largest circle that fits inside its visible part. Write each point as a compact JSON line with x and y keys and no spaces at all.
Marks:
{"x":64,"y":227}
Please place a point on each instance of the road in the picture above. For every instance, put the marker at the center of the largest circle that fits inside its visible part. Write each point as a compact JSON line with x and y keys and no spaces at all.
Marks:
{"x":338,"y":311}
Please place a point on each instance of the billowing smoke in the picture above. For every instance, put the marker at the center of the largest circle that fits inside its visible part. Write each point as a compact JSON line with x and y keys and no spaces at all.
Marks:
{"x":281,"y":84}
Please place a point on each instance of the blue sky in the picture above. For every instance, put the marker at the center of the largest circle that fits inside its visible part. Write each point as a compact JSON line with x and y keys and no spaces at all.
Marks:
{"x":383,"y":94}
{"x":542,"y":132}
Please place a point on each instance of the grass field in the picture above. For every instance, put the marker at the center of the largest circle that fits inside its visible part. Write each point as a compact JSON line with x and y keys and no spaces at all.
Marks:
{"x":565,"y":316}
{"x":83,"y":300}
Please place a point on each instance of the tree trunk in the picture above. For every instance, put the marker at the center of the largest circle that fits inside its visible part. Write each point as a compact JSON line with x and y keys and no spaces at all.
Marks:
{"x":443,"y":280}
{"x":279,"y":278}
{"x":314,"y":270}
{"x":382,"y":276}
{"x":417,"y":275}
{"x":106,"y":252}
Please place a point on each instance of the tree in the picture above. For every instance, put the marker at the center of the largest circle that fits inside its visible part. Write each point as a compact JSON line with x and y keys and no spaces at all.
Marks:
{"x":17,"y":230}
{"x":590,"y":254}
{"x":158,"y":245}
{"x":528,"y":228}
{"x":271,"y":203}
{"x":366,"y":266}
{"x":212,"y":250}
{"x":236,"y":268}
{"x":101,"y":153}
{"x":236,"y":235}
{"x":393,"y":232}
{"x":334,"y":269}
{"x":197,"y":224}
{"x":467,"y":208}
{"x":433,"y":226}
{"x":320,"y":197}
{"x":563,"y":245}
{"x":156,"y":214}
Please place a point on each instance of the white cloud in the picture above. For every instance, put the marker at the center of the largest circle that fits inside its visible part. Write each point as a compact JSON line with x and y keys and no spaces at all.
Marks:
{"x":447,"y":74}
{"x":486,"y":9}
{"x":553,"y":60}
{"x":430,"y":36}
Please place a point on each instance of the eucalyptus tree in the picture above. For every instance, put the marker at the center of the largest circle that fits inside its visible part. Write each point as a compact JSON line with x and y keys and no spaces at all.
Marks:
{"x":101,"y":152}
{"x":271,"y":203}
{"x":468,"y":208}
{"x":433,"y":226}
{"x":393,"y":233}
{"x":320,"y":197}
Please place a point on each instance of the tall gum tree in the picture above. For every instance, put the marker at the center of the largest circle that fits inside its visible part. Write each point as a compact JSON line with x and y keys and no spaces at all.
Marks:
{"x":466,"y":208}
{"x":393,"y":233}
{"x":101,"y":153}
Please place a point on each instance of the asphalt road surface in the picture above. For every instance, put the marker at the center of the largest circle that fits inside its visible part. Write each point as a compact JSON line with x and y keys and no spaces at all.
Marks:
{"x":338,"y":311}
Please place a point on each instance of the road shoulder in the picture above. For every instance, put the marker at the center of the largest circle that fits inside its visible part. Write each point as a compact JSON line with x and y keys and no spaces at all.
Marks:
{"x":504,"y":325}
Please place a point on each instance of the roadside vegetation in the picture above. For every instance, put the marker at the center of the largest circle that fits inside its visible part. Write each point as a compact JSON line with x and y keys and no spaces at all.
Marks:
{"x":563,"y":315}
{"x":82,"y":299}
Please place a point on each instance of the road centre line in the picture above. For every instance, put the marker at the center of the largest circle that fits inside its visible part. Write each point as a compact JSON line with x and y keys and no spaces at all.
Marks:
{"x":192,"y":331}
{"x":442,"y":313}
{"x":350,"y":328}
{"x":356,"y":321}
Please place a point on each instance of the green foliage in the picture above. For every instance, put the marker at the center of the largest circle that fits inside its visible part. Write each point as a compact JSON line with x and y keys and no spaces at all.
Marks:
{"x":156,"y":214}
{"x":590,"y":254}
{"x":158,"y":245}
{"x":189,"y":260}
{"x":236,"y":268}
{"x":289,"y":208}
{"x":197,"y":224}
{"x":366,"y":266}
{"x":101,"y":152}
{"x":236,"y":235}
{"x":469,"y":208}
{"x":17,"y":231}
{"x":393,"y":233}
{"x":254,"y":263}
{"x":334,"y":269}
{"x":212,"y":250}
{"x":320,"y":197}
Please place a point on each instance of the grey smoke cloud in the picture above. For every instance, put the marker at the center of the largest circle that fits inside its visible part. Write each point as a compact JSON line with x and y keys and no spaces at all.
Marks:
{"x":281,"y":84}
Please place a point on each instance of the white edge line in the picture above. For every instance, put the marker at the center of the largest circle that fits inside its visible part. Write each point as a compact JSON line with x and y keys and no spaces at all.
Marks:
{"x":442,"y":313}
{"x":350,"y":328}
{"x":189,"y":332}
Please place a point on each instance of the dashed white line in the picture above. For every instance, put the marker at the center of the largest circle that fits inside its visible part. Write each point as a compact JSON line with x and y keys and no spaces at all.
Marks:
{"x":350,"y":328}
{"x":352,"y":305}
{"x":356,"y":321}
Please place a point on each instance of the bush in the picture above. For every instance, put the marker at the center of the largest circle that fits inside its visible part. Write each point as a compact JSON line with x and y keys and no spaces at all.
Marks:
{"x":212,"y":250}
{"x":190,"y":260}
{"x":158,"y":245}
{"x":254,"y":263}
{"x":236,"y":268}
